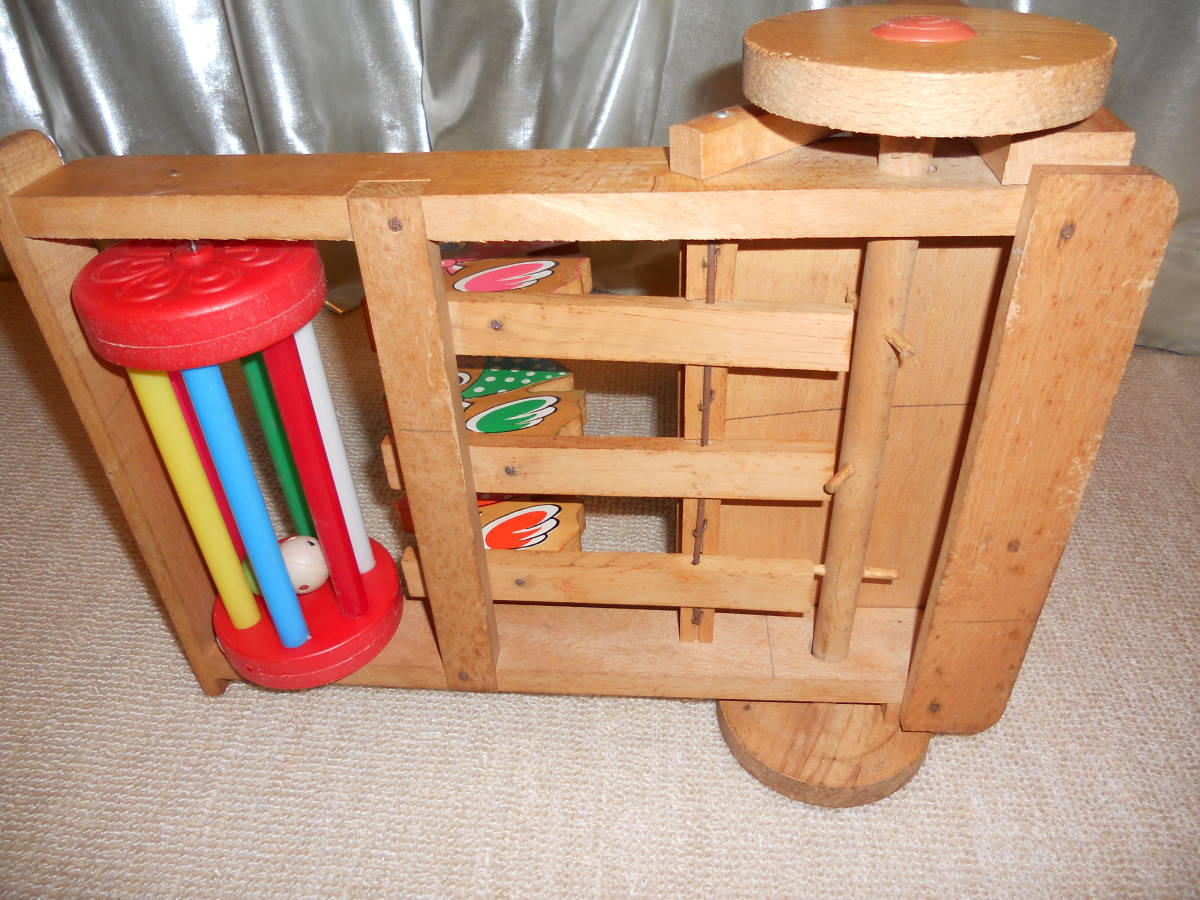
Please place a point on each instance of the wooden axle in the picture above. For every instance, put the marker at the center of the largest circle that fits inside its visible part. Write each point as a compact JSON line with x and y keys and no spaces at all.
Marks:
{"x":882,"y":305}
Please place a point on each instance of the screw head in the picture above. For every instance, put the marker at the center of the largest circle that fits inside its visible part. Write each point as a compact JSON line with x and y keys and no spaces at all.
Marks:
{"x":394,"y":224}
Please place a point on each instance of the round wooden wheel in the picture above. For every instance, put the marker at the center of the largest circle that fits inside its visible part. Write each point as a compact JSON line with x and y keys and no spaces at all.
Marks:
{"x":826,"y":754}
{"x":922,"y":77}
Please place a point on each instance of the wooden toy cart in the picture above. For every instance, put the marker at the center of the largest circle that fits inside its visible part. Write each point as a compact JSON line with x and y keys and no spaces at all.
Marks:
{"x":895,"y":359}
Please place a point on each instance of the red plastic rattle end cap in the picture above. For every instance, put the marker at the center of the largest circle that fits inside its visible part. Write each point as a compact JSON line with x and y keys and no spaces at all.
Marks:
{"x":924,"y":30}
{"x":169,"y":305}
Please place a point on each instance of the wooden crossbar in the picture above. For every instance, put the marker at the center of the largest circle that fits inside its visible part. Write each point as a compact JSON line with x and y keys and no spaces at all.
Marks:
{"x":651,"y":467}
{"x":811,"y":336}
{"x":756,"y":584}
{"x":637,"y":653}
{"x":826,"y":190}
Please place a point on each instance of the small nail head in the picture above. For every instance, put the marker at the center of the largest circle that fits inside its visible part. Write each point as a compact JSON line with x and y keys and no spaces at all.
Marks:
{"x":394,"y":224}
{"x":510,"y":470}
{"x":520,"y":582}
{"x":721,"y":114}
{"x":173,"y":173}
{"x":495,"y":325}
{"x":463,"y":676}
{"x":1068,"y":231}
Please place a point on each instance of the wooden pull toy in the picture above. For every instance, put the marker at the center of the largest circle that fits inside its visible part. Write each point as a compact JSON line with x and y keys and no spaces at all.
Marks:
{"x":911,"y":276}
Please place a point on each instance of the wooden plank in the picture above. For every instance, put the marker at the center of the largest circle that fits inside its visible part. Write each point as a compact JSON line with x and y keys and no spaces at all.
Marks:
{"x":650,"y":467}
{"x":758,"y":584}
{"x":810,"y":336}
{"x":641,"y":579}
{"x":1101,"y":139}
{"x":637,"y":652}
{"x":1082,"y":266}
{"x":402,"y":277}
{"x":101,"y":396}
{"x":719,"y":141}
{"x":827,"y":190}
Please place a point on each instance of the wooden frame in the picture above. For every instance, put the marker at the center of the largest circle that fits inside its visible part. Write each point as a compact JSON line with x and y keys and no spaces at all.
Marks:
{"x":984,"y":564}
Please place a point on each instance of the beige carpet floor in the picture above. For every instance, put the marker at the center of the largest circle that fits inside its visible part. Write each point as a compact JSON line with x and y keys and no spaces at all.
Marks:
{"x":118,"y":778}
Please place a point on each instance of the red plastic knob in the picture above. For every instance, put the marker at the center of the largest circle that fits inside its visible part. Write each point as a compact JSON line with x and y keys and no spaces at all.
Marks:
{"x":924,"y":30}
{"x":166,"y":305}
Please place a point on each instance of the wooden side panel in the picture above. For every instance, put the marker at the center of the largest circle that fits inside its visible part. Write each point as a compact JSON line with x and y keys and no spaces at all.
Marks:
{"x":402,"y":277}
{"x":1083,"y":263}
{"x":110,"y":415}
{"x":649,"y":467}
{"x":723,"y":140}
{"x":954,"y":290}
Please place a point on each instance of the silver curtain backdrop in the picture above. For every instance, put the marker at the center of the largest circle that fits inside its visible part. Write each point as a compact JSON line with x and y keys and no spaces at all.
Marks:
{"x":307,"y":76}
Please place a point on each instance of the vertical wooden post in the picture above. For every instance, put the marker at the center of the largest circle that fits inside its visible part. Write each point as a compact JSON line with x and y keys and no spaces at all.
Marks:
{"x":883,"y":302}
{"x":708,"y":272}
{"x":110,"y":415}
{"x":410,"y":320}
{"x":1087,"y":248}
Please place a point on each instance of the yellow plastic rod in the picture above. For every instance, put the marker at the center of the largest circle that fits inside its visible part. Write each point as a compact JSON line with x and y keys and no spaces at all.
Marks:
{"x":158,"y":402}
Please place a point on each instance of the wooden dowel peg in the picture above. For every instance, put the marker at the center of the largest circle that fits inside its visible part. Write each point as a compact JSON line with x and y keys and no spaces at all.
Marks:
{"x":869,"y":573}
{"x":838,"y":479}
{"x":900,"y":344}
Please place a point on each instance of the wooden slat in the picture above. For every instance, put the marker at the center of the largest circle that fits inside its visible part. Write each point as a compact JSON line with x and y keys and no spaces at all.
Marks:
{"x":101,"y":396}
{"x":637,"y":652}
{"x":827,"y":190}
{"x":757,"y":584}
{"x":1083,"y":263}
{"x":641,"y":579}
{"x":812,"y":336}
{"x":1100,"y":139}
{"x":650,"y":467}
{"x":403,"y":281}
{"x":719,"y":141}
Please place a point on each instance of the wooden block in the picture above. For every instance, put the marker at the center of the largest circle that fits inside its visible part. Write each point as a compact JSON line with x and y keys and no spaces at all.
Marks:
{"x":514,"y":526}
{"x":1101,"y":139}
{"x":482,"y":376}
{"x":1082,"y":266}
{"x":519,"y":274}
{"x":812,"y":336}
{"x":723,"y":140}
{"x":651,"y":467}
{"x":637,"y":652}
{"x":527,"y":412}
{"x":402,"y":277}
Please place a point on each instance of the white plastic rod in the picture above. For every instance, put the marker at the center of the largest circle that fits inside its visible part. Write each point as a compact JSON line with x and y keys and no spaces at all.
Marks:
{"x":335,"y":450}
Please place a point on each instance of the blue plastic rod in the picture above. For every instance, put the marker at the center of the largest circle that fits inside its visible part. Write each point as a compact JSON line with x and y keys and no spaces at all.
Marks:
{"x":210,"y":399}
